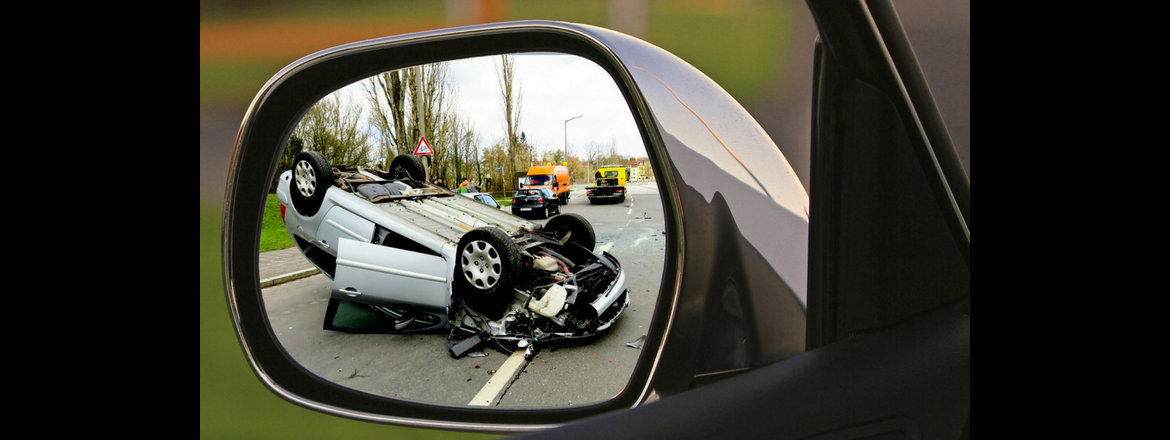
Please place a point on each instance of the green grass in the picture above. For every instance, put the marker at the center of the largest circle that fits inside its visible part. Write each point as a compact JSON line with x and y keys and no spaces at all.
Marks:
{"x":273,"y":236}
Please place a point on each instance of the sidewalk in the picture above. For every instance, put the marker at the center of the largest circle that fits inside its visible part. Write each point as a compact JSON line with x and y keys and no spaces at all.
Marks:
{"x":282,"y":266}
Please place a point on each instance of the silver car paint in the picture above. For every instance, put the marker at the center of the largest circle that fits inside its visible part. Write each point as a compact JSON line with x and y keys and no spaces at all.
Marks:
{"x":432,"y":222}
{"x":388,"y":276}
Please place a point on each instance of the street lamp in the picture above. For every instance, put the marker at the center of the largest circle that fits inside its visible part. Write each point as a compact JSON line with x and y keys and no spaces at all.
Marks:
{"x":567,"y":135}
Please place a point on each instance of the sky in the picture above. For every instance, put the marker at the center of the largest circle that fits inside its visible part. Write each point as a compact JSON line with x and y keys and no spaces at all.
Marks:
{"x":553,"y":88}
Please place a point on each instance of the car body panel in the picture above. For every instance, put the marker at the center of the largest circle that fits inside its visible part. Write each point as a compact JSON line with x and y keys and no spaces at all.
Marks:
{"x":431,"y":221}
{"x":340,"y":223}
{"x":384,"y":275}
{"x":396,"y":252}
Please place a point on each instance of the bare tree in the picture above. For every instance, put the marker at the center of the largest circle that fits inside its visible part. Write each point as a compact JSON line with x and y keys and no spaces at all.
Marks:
{"x":332,"y":127}
{"x":396,"y":118}
{"x":387,"y":93}
{"x":594,"y":154}
{"x":510,"y":98}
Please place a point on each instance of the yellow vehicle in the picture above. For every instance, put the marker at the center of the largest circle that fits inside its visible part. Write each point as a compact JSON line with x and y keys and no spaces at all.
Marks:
{"x":610,"y":184}
{"x":554,"y":177}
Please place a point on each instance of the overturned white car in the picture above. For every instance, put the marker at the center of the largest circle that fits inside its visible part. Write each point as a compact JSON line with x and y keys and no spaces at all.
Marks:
{"x":408,"y":256}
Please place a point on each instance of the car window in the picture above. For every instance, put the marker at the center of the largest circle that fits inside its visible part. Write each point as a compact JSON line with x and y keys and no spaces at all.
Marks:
{"x":539,"y":179}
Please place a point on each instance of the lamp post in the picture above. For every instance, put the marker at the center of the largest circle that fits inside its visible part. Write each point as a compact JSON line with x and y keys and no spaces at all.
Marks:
{"x":567,"y":135}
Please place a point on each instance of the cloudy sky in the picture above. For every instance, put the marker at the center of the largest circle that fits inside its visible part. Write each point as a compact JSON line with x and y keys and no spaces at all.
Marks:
{"x":554,"y":88}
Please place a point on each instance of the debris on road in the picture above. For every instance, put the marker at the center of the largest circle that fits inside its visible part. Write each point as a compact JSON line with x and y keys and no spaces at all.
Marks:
{"x":637,"y":343}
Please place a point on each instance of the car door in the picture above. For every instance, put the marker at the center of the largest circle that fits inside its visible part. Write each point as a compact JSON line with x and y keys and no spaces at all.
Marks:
{"x":375,"y":274}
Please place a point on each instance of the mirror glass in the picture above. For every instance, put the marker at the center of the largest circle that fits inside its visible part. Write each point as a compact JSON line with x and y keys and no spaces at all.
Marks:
{"x":483,"y":232}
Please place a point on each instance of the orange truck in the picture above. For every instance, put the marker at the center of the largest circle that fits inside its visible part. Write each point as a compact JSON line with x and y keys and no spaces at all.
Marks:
{"x":555,"y":177}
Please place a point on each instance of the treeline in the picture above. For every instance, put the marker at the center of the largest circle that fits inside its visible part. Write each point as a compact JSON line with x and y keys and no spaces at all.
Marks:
{"x":396,"y":108}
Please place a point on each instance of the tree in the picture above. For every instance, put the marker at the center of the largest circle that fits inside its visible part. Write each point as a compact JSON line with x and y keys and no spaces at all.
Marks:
{"x":594,"y":155}
{"x":494,"y":161}
{"x":332,"y":127}
{"x":510,"y":97}
{"x":294,"y":147}
{"x":396,"y":118}
{"x":387,"y":93}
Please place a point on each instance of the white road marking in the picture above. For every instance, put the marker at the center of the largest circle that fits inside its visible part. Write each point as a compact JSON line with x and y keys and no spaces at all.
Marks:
{"x":605,"y":247}
{"x":492,"y":389}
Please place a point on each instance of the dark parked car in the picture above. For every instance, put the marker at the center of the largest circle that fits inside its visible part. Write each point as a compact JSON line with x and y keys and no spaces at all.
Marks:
{"x":842,"y":314}
{"x":535,"y":201}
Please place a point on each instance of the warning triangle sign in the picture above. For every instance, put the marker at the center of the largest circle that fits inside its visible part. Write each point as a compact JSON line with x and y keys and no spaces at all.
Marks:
{"x":423,"y":148}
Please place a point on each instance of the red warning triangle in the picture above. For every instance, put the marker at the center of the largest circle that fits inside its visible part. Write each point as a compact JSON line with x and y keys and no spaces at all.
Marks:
{"x":423,"y":148}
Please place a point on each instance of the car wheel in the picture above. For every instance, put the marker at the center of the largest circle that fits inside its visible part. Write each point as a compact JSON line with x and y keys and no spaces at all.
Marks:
{"x":487,"y":267}
{"x":406,"y":166}
{"x":545,"y":215}
{"x":581,"y":232}
{"x":312,"y":175}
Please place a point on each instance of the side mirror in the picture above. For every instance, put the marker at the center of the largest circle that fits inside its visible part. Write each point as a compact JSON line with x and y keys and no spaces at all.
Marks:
{"x":725,"y":291}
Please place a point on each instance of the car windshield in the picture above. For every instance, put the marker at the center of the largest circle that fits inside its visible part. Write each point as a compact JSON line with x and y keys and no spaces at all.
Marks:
{"x":611,"y":174}
{"x":541,"y":179}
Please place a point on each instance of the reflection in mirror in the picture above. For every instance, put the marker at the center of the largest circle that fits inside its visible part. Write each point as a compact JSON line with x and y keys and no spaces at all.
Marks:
{"x":483,"y":232}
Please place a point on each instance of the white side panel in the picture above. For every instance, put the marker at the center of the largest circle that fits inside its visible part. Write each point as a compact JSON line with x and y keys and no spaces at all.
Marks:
{"x":339,"y":224}
{"x":377,"y":274}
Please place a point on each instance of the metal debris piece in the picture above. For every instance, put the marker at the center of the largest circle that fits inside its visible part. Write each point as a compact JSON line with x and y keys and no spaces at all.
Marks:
{"x":637,"y":343}
{"x":477,"y":354}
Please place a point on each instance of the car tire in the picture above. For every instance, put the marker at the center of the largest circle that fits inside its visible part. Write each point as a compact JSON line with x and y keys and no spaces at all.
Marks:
{"x":581,"y":230}
{"x":311,"y":177}
{"x":545,"y":214}
{"x":487,"y":266}
{"x":406,"y":166}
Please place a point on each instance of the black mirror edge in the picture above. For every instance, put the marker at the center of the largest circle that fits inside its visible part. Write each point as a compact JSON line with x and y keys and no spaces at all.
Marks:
{"x":269,"y":121}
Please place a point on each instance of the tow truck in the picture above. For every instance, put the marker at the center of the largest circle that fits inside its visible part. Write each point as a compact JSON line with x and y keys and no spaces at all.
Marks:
{"x":610,"y":185}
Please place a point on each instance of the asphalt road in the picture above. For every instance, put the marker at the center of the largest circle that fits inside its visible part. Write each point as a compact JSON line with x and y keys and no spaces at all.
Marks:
{"x":418,"y":367}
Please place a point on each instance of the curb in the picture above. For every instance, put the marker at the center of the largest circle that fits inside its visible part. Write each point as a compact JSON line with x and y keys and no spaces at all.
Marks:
{"x":281,"y":279}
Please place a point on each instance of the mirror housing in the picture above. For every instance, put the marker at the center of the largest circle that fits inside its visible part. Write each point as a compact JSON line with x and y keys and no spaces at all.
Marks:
{"x":734,"y":287}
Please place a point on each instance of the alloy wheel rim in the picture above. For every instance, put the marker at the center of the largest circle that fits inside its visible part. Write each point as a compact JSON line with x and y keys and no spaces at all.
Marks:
{"x":306,"y":178}
{"x":481,"y":264}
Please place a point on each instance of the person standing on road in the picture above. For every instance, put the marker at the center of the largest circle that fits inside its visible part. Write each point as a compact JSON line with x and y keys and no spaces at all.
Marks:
{"x":472,"y":186}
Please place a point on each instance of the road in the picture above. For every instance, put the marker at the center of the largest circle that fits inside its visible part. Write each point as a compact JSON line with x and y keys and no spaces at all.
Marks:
{"x":419,"y":368}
